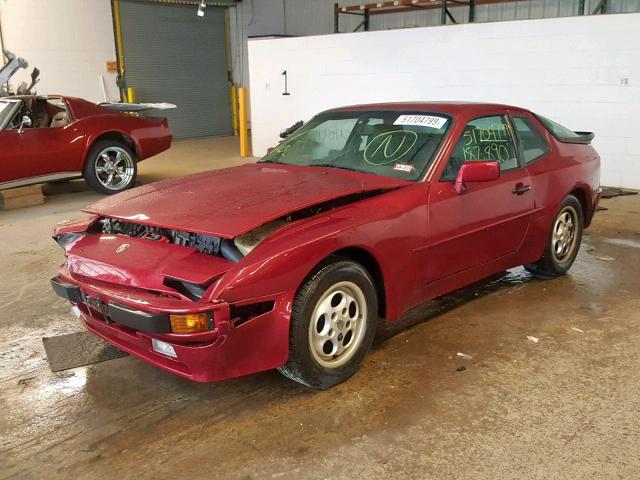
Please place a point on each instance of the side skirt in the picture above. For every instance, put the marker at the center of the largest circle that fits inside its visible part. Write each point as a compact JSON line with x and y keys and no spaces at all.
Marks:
{"x":40,"y":179}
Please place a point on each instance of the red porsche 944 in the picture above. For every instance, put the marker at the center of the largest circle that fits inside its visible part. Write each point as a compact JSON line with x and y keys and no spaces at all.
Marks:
{"x":362,"y":213}
{"x":47,"y":138}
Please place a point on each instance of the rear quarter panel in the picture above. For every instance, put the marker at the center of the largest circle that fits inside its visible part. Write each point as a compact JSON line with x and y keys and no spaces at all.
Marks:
{"x":566,"y":168}
{"x":149,"y":135}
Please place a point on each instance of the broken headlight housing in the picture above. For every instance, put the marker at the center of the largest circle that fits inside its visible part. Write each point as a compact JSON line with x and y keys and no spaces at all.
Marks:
{"x":66,"y":240}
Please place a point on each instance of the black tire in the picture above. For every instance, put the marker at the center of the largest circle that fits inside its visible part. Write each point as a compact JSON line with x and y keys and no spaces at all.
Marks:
{"x":99,"y":180}
{"x":328,"y":283}
{"x":553,"y":264}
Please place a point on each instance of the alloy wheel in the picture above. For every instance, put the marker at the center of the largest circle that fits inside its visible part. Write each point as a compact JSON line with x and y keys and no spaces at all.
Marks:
{"x":338,"y":324}
{"x":114,"y":168}
{"x":564,"y":234}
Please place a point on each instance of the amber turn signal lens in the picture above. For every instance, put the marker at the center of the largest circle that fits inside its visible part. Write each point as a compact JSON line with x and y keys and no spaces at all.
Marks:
{"x":189,"y":323}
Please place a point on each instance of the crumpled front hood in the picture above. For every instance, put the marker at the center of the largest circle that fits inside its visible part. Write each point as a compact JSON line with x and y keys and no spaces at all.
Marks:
{"x":233,"y":201}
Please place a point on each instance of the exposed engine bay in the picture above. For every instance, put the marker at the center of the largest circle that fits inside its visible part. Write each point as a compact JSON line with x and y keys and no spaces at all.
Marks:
{"x":208,"y":244}
{"x":233,"y":250}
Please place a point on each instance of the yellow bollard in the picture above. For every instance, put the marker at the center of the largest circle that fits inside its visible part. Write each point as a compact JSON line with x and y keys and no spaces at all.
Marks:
{"x":243,"y":127}
{"x":131,"y":95}
{"x":234,"y":109}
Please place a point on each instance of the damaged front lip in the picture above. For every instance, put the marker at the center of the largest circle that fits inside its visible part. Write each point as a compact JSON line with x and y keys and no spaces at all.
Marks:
{"x":78,"y":290}
{"x":147,"y":318}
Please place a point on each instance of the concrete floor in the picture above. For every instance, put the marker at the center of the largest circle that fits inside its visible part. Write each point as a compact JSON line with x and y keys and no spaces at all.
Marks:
{"x":564,"y":408}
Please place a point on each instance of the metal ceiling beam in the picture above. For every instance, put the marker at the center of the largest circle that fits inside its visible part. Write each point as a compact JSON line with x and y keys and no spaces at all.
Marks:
{"x":404,"y":6}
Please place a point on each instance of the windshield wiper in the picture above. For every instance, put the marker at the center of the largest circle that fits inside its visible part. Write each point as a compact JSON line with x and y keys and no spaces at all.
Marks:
{"x":332,"y":165}
{"x":269,"y":161}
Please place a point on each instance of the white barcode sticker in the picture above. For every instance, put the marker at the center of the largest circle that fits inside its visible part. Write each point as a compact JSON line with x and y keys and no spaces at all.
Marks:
{"x":421,"y":120}
{"x":403,"y":167}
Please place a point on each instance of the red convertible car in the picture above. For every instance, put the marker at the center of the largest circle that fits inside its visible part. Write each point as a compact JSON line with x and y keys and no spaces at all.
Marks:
{"x":364,"y":212}
{"x":47,"y":138}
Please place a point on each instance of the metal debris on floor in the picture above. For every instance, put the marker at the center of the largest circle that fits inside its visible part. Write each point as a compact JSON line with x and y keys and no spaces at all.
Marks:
{"x":533,"y":339}
{"x":576,"y":329}
{"x":464,"y":355}
{"x":77,"y":350}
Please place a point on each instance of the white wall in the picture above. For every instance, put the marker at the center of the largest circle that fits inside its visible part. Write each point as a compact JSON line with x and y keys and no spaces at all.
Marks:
{"x":300,"y":18}
{"x":70,"y":41}
{"x":572,"y":70}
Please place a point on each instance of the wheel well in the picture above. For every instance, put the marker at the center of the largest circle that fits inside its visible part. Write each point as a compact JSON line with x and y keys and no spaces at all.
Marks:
{"x":369,"y":262}
{"x":118,"y":137}
{"x":582,"y":198}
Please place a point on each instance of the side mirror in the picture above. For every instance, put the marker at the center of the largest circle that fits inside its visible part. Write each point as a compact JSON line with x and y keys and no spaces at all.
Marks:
{"x":26,"y":122}
{"x":483,"y":171}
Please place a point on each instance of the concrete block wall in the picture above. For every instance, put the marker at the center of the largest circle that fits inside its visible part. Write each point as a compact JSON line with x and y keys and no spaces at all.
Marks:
{"x":70,"y":41}
{"x":581,"y":71}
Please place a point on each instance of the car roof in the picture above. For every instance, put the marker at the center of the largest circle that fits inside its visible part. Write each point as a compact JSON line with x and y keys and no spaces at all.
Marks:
{"x":452,"y":108}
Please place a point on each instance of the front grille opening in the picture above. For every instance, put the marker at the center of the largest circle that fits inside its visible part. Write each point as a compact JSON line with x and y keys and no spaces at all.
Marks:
{"x":243,"y":313}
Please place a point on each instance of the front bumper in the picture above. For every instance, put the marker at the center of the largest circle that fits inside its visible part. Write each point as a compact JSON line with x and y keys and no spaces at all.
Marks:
{"x":231,"y":349}
{"x":114,"y":312}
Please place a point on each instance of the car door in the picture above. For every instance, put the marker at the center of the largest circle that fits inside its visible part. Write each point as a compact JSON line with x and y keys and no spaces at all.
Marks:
{"x":35,"y":152}
{"x":488,"y":220}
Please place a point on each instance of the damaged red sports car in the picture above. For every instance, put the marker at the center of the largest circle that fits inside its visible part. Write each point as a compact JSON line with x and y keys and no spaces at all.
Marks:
{"x":364,"y":212}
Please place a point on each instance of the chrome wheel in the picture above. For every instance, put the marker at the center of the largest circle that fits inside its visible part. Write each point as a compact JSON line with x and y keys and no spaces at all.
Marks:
{"x":564,"y":234}
{"x":114,"y":168}
{"x":338,"y":324}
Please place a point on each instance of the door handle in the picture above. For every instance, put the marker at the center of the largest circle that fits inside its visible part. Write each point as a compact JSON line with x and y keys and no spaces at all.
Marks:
{"x":521,"y":189}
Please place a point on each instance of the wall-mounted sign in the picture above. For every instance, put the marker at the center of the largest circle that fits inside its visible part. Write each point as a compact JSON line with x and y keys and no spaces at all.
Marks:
{"x":112,"y":66}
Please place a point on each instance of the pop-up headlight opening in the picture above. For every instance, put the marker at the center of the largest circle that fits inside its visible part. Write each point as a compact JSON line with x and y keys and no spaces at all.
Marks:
{"x":66,"y":240}
{"x":192,"y":291}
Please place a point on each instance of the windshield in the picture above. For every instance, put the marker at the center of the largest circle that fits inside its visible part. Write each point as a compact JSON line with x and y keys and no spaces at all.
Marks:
{"x":7,"y":111}
{"x":389,"y":143}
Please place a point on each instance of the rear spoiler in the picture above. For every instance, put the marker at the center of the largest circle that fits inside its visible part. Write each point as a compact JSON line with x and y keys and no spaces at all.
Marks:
{"x":563,"y":134}
{"x":137,"y":107}
{"x":584,"y":138}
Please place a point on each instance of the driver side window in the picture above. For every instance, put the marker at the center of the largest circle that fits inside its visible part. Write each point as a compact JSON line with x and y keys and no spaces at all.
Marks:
{"x":485,"y":138}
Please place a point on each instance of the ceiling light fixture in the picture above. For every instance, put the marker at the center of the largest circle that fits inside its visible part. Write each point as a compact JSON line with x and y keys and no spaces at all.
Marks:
{"x":201,"y":8}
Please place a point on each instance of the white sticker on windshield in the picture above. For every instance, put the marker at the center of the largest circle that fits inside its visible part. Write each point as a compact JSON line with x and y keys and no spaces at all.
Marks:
{"x":421,"y":120}
{"x":403,"y":167}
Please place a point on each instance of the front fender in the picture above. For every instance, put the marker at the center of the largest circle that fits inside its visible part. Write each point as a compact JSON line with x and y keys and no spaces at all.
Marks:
{"x":388,"y":227}
{"x":76,"y":225}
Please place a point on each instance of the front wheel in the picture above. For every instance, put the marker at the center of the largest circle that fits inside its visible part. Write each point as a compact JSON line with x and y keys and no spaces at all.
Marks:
{"x":110,"y":167}
{"x":563,"y":242}
{"x":333,"y":323}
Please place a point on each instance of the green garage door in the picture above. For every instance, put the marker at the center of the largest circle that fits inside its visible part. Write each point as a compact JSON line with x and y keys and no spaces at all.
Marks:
{"x":172,"y":55}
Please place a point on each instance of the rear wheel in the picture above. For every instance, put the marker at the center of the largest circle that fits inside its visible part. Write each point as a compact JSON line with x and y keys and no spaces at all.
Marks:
{"x":110,"y":167}
{"x":333,"y":323}
{"x":563,"y":242}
